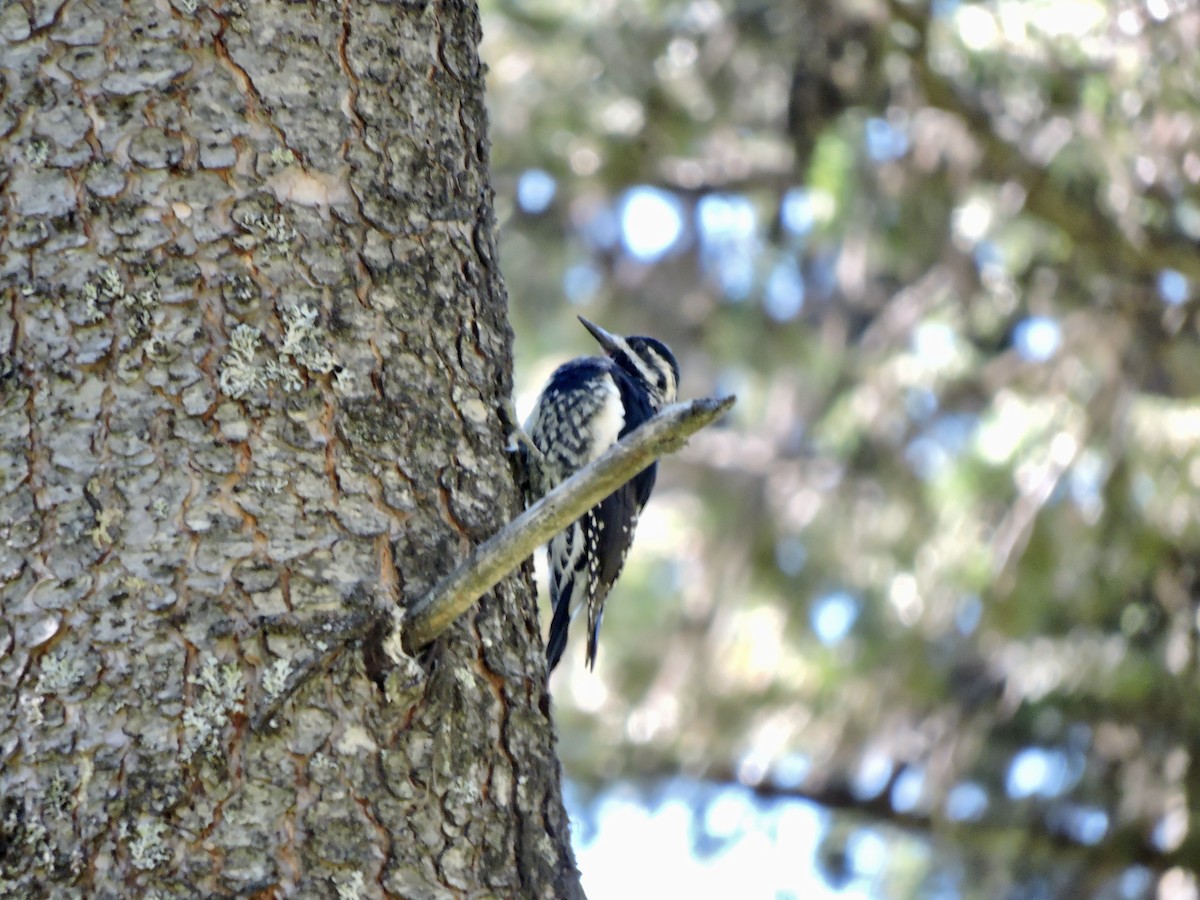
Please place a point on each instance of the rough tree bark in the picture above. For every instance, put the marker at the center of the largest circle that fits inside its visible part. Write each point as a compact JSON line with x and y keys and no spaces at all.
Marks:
{"x":253,"y":365}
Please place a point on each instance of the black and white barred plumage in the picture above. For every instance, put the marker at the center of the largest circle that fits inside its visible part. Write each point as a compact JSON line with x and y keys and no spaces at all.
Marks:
{"x":588,"y":404}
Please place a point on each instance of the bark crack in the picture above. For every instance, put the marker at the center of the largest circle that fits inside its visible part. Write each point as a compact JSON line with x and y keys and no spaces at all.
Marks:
{"x":252,"y":92}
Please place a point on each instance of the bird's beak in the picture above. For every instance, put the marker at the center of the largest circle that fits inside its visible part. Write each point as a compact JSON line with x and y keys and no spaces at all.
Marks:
{"x":610,"y":342}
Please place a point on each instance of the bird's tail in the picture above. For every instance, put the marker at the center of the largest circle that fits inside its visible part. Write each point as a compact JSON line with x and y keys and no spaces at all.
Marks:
{"x":595,"y":616}
{"x":556,"y":643}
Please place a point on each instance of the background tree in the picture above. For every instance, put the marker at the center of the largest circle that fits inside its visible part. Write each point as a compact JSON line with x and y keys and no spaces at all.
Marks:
{"x":254,"y":363}
{"x":939,"y":574}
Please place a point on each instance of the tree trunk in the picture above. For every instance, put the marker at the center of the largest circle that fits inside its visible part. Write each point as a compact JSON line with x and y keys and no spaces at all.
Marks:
{"x":253,"y":365}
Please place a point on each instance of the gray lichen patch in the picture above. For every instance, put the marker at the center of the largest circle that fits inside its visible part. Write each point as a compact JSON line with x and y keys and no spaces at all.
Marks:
{"x":98,"y":295}
{"x":61,"y":671}
{"x":138,"y":309}
{"x":240,"y":374}
{"x":275,"y":678}
{"x":106,"y":519}
{"x":219,"y":693}
{"x":247,"y":370}
{"x":264,"y":225}
{"x":144,"y":840}
{"x":37,"y":152}
{"x":350,"y":886}
{"x":304,"y":341}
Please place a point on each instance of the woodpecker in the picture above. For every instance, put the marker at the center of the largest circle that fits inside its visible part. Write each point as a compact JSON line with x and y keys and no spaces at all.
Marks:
{"x":588,"y":405}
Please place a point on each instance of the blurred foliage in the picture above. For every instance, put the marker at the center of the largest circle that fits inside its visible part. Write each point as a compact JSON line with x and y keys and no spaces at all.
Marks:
{"x":943,"y":558}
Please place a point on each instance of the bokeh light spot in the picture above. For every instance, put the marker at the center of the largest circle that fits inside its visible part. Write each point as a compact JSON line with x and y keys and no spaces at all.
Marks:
{"x":1037,"y":338}
{"x":651,"y":222}
{"x":833,"y":616}
{"x":535,"y":191}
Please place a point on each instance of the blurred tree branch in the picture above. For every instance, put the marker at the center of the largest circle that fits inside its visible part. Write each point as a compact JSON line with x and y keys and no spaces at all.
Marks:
{"x":1088,"y":226}
{"x":1120,"y":847}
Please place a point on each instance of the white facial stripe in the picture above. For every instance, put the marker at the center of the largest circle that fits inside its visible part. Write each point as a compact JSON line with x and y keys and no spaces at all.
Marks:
{"x":650,"y":369}
{"x":653,"y":369}
{"x":671,"y":389}
{"x":647,"y":372}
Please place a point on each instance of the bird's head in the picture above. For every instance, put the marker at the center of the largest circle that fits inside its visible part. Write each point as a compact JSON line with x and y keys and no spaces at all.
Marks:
{"x":647,"y":359}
